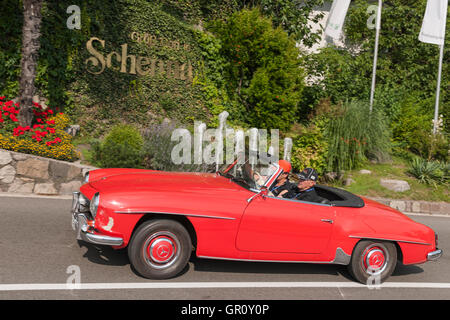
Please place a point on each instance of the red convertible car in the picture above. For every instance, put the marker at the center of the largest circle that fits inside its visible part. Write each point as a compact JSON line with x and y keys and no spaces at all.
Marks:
{"x":162,"y":217}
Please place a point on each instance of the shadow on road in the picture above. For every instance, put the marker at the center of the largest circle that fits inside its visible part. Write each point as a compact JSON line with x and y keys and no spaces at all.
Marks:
{"x":104,"y":255}
{"x":211,"y":265}
{"x":402,"y":269}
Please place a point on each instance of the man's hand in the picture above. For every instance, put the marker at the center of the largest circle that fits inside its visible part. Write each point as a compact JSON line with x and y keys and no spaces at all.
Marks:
{"x":280,"y":195}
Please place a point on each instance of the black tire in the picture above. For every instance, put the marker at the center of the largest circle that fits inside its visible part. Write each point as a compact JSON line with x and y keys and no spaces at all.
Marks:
{"x":160,"y":249}
{"x":373,"y":261}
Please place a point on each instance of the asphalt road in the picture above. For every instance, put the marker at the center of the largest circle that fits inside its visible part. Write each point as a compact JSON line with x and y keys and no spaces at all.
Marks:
{"x":38,"y":246}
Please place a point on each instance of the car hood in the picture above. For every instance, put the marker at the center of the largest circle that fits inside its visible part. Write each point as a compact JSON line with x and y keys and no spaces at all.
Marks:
{"x":164,"y":181}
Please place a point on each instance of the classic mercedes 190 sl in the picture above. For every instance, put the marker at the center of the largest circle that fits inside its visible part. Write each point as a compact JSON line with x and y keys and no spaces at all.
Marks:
{"x":162,"y":217}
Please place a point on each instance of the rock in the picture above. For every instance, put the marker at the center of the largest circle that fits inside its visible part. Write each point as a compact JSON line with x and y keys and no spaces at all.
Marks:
{"x":7,"y":174}
{"x":398,"y":205}
{"x":331,"y":176}
{"x":5,"y":158}
{"x":20,"y":156}
{"x":45,"y":188}
{"x":365,"y":171}
{"x":395,"y":185}
{"x":64,"y":171}
{"x":73,"y":173}
{"x":415,"y":207}
{"x":21,"y":186}
{"x":73,"y":130}
{"x":34,"y":168}
{"x":58,"y":170}
{"x":70,"y":187}
{"x":348,"y":181}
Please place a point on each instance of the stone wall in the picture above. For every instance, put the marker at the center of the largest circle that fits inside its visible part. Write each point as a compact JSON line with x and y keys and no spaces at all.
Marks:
{"x":25,"y":173}
{"x":416,"y":206}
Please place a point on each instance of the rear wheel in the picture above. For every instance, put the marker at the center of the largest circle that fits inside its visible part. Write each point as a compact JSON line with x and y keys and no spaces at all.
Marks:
{"x":160,"y":249}
{"x":373,"y":261}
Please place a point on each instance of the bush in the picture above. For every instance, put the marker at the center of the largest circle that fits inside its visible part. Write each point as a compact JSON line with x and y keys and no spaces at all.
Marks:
{"x":121,"y":148}
{"x":412,"y":131}
{"x":45,"y":137}
{"x":355,"y":135}
{"x":158,"y":147}
{"x":263,"y":72}
{"x":309,"y":147}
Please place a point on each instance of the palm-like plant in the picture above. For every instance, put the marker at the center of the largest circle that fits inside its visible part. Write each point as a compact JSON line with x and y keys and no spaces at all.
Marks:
{"x":429,"y":172}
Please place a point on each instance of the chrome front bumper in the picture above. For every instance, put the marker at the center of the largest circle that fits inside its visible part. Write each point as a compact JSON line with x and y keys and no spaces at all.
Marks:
{"x":81,"y":227}
{"x":434,"y":255}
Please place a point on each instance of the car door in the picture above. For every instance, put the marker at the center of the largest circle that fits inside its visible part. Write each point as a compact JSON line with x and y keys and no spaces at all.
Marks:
{"x":271,"y":224}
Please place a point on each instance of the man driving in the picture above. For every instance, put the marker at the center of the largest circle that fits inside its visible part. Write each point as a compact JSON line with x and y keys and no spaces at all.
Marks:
{"x":304,"y":190}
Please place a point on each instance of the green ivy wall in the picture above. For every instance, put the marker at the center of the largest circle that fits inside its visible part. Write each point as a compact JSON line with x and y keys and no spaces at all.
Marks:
{"x":162,"y":43}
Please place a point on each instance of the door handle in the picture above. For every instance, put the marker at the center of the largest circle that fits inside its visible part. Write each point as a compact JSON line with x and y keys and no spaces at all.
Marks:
{"x":327,"y":220}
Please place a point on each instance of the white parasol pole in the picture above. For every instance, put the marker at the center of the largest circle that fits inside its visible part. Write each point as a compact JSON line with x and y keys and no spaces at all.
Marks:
{"x":375,"y":54}
{"x":436,"y":105}
{"x":433,"y":31}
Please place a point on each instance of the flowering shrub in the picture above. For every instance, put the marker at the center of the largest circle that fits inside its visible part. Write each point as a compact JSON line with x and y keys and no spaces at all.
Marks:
{"x":45,"y":137}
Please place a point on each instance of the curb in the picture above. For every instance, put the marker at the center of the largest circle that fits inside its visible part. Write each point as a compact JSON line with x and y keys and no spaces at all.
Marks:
{"x":416,"y":206}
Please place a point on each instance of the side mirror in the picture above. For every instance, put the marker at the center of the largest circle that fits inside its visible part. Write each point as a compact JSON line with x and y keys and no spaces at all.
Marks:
{"x":262,"y":192}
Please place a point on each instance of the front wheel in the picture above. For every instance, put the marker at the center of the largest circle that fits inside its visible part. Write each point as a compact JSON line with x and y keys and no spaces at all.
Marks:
{"x":373,"y":261}
{"x":160,"y":249}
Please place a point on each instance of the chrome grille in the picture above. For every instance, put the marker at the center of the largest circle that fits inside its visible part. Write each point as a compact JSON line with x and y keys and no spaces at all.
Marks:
{"x":76,"y":195}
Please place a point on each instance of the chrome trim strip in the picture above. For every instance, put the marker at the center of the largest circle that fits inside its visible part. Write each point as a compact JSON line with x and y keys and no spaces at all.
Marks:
{"x":406,"y":241}
{"x":173,"y":213}
{"x":301,"y":201}
{"x":340,"y":258}
{"x":253,"y":260}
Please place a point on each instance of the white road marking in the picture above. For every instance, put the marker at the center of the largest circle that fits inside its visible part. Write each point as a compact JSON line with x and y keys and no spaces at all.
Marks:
{"x":212,"y":285}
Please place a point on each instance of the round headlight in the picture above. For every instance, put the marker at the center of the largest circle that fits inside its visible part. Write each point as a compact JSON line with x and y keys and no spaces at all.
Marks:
{"x":94,"y":204}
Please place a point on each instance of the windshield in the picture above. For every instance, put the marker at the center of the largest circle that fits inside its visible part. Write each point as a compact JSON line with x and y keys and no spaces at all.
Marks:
{"x":249,"y":176}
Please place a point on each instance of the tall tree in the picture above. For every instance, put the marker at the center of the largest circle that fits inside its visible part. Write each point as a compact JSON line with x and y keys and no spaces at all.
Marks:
{"x":30,"y":51}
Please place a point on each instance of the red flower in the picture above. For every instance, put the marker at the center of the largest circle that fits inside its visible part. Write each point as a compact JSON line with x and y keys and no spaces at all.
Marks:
{"x":51,"y":122}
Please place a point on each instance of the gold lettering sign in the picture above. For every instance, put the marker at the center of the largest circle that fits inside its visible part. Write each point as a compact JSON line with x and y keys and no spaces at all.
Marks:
{"x":128,"y":63}
{"x":152,"y":40}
